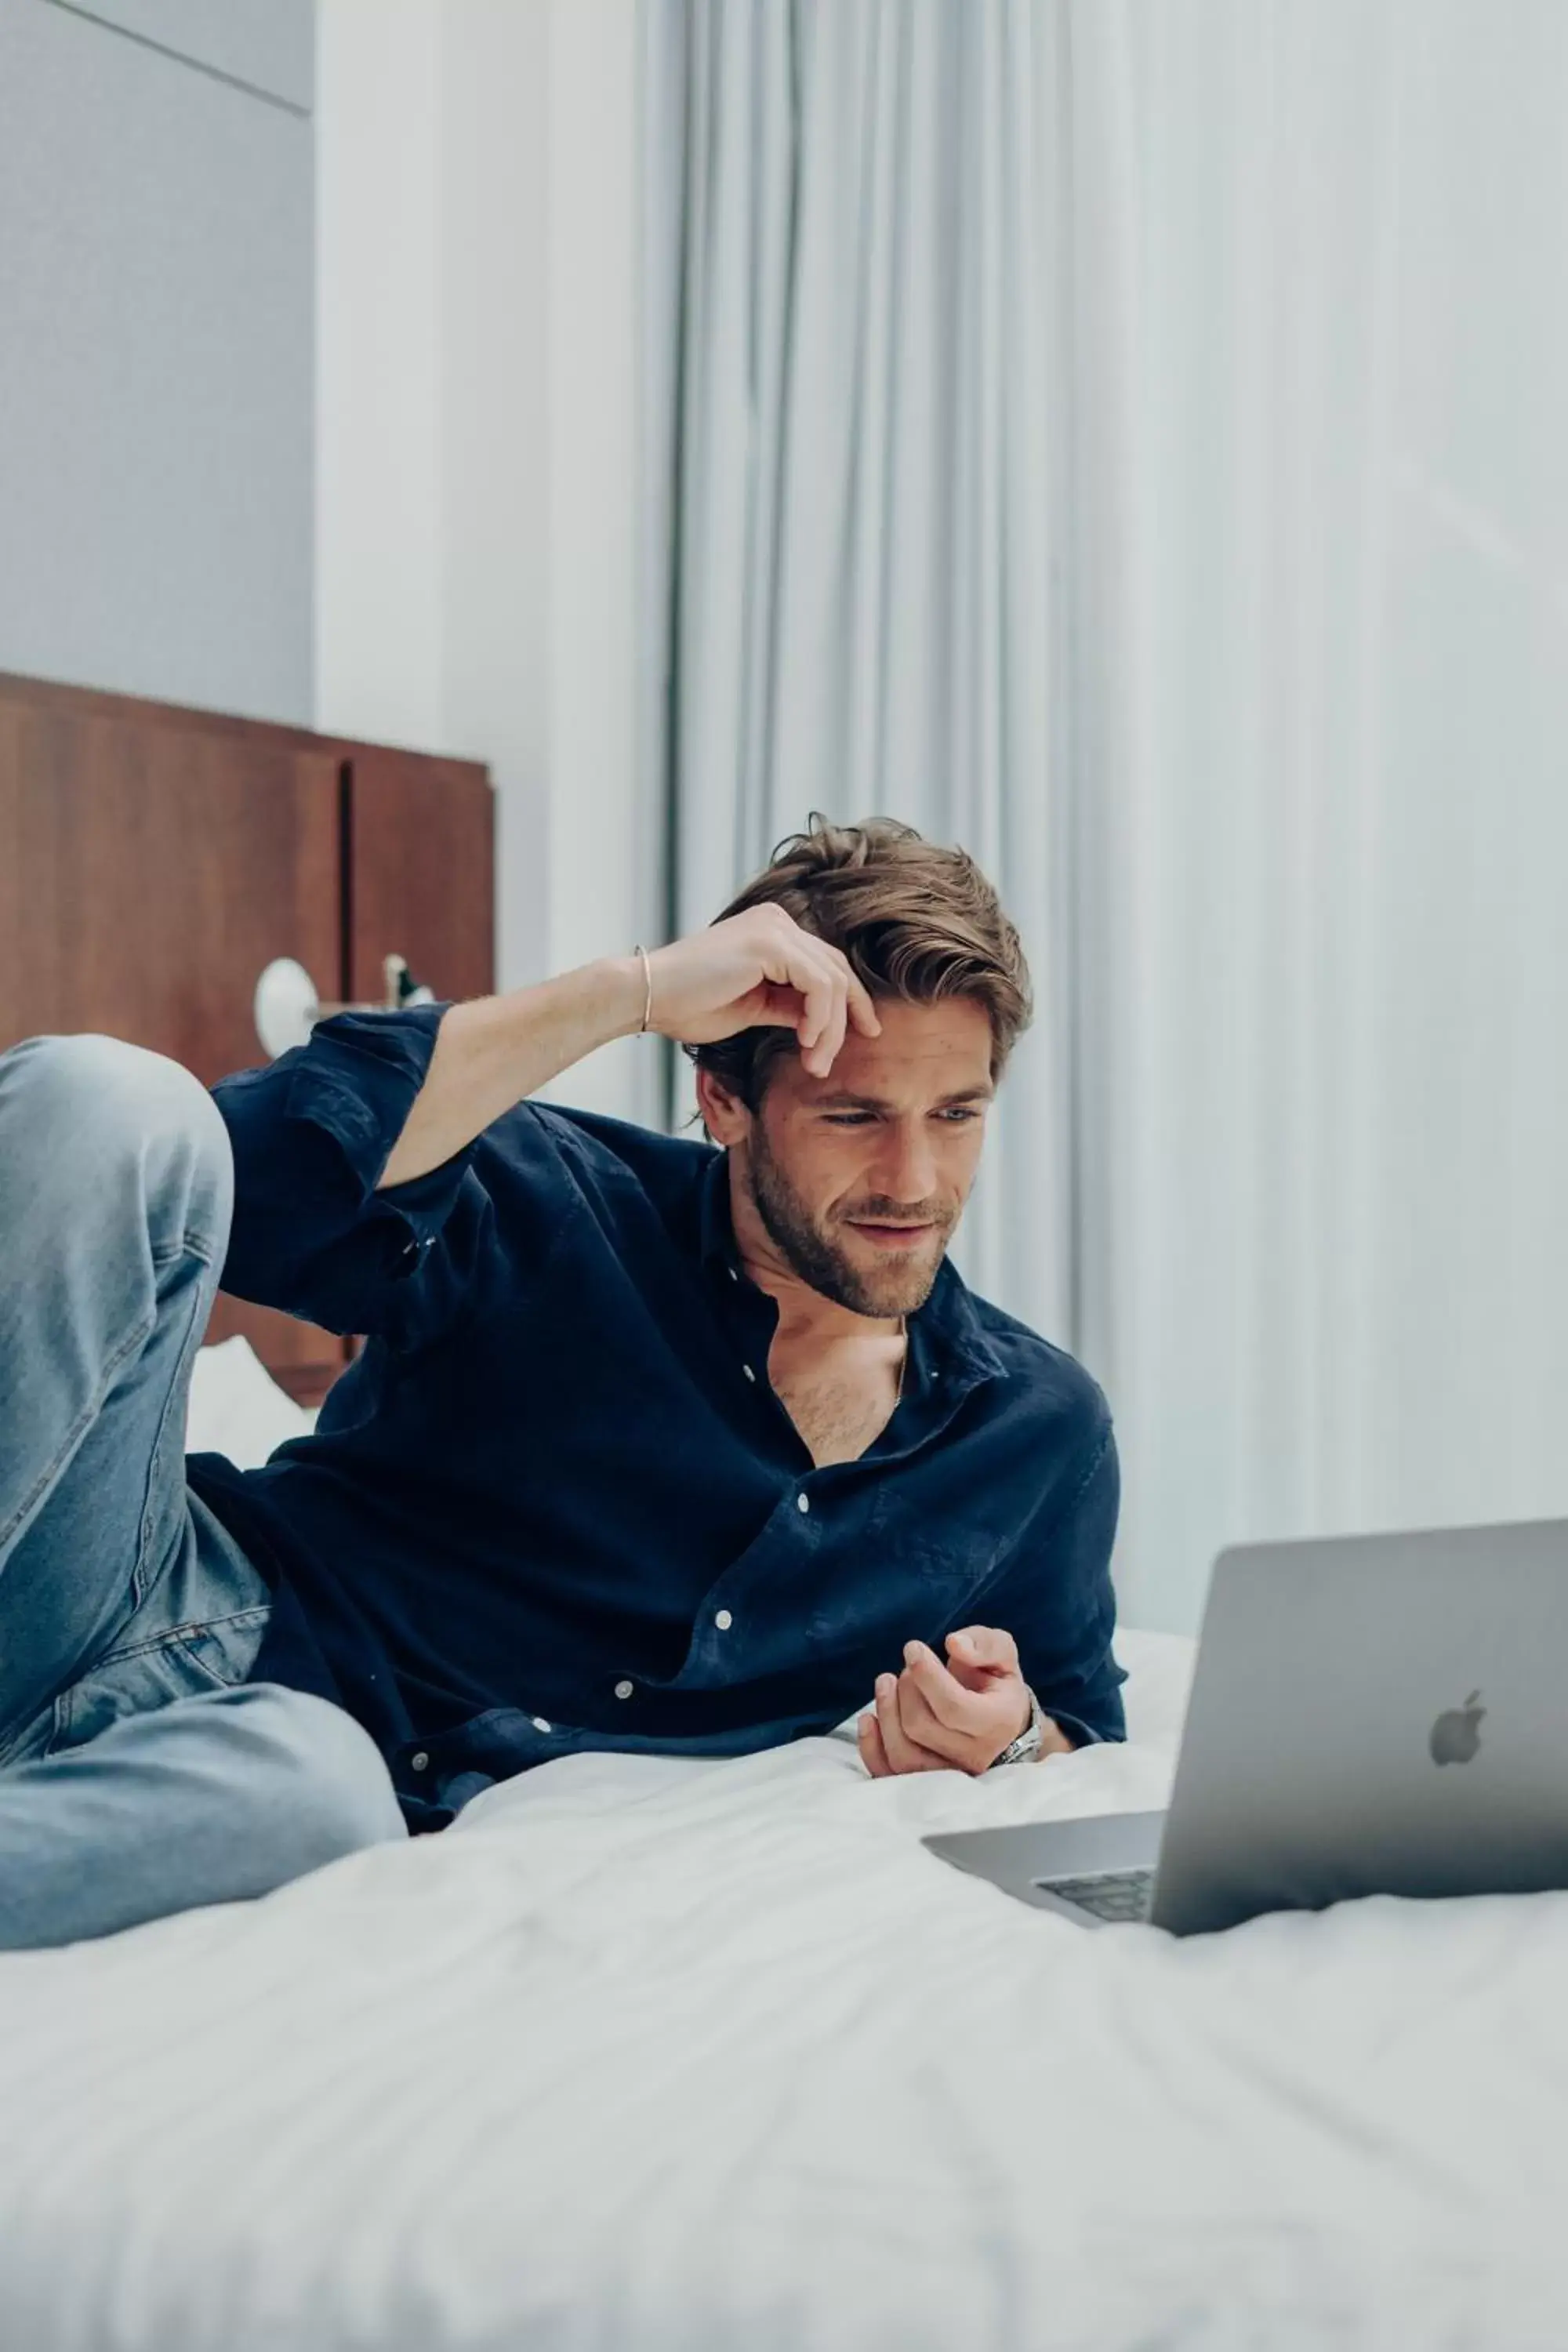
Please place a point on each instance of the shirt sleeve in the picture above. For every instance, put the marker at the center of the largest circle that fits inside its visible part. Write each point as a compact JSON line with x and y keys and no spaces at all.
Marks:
{"x":1055,"y":1597}
{"x":311,"y":1134}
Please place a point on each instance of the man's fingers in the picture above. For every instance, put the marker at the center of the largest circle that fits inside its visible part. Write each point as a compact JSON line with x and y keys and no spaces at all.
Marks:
{"x":861,"y":1009}
{"x":808,"y":966}
{"x":902,"y":1753}
{"x":925,"y":1730}
{"x":822,"y":1029}
{"x":854,"y":999}
{"x":986,"y":1646}
{"x":830,"y":996}
{"x":754,"y":970}
{"x":947,"y":1700}
{"x":858,"y":1007}
{"x":873,"y":1755}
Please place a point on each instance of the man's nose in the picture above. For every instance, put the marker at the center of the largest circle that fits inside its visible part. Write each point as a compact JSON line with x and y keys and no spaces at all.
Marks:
{"x":905,"y":1167}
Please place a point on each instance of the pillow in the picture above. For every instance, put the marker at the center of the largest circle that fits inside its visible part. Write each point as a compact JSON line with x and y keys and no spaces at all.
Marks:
{"x":238,"y":1408}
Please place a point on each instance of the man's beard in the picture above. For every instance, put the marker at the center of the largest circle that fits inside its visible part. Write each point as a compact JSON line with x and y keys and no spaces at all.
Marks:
{"x":898,"y":1289}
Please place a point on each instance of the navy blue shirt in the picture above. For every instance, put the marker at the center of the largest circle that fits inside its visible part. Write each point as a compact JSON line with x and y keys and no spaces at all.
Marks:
{"x":555,"y":1504}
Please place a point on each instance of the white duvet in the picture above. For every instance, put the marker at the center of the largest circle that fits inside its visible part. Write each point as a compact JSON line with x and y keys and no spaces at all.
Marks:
{"x":656,"y":2056}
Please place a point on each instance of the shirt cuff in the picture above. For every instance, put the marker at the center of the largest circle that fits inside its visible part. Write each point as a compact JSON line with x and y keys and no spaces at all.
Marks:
{"x":1081,"y":1734}
{"x":357,"y":1080}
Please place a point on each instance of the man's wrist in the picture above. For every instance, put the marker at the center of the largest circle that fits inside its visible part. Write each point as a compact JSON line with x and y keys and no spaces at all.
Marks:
{"x":1025,"y":1744}
{"x":1040,"y":1737}
{"x":625,"y":985}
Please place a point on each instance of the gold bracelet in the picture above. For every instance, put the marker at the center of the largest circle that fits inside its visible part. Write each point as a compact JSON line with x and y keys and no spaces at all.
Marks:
{"x":648,"y":990}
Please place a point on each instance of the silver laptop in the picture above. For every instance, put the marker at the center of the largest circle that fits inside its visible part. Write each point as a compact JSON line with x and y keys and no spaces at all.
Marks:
{"x":1373,"y":1715}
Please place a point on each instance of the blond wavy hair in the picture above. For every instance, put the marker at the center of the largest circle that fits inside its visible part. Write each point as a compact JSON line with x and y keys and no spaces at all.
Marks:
{"x":917,"y":921}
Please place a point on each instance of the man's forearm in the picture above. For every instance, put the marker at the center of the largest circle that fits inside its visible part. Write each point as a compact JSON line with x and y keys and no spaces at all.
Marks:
{"x":754,"y":967}
{"x":493,"y":1052}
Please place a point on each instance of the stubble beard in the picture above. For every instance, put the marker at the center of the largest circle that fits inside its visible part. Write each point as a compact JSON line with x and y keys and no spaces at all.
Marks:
{"x":901,"y":1289}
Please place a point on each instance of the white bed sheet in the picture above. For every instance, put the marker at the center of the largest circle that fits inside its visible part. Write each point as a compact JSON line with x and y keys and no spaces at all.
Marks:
{"x":650,"y":2056}
{"x":236,"y":1408}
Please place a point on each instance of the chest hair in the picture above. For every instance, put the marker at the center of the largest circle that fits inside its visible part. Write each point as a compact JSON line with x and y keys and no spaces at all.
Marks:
{"x":839,"y":1410}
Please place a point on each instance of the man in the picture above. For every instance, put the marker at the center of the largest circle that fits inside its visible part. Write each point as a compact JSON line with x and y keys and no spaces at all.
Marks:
{"x":652,"y":1446}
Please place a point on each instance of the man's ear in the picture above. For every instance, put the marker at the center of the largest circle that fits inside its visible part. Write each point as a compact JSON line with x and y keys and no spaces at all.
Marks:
{"x":724,"y":1114}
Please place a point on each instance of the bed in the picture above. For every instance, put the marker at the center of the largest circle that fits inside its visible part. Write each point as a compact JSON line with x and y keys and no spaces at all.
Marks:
{"x":647,"y":2056}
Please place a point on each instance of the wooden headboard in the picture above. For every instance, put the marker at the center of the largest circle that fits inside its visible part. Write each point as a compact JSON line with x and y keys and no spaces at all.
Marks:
{"x":154,"y":859}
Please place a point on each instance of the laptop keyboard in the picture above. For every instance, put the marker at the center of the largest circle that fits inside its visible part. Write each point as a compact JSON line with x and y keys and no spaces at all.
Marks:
{"x":1110,"y":1894}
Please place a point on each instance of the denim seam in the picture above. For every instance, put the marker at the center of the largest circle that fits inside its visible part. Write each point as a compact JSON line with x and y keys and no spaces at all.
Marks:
{"x":200,"y":1246}
{"x":183,"y":1638}
{"x":178,"y":1387}
{"x":16,"y":1740}
{"x":138,"y":1338}
{"x":196,"y":1626}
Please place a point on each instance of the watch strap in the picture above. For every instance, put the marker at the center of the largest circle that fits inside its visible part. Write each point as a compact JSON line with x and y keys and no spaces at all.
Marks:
{"x":1027,"y":1743}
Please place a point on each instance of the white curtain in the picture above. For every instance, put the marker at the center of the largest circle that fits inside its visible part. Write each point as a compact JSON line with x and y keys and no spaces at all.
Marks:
{"x":1130,"y":437}
{"x":1323,"y":558}
{"x":853,"y":255}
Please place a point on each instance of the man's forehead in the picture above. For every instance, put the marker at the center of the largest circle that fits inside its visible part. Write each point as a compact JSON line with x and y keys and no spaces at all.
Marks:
{"x":931,"y":1050}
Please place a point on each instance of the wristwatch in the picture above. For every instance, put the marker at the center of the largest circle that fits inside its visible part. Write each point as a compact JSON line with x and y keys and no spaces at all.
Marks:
{"x":1027,"y":1743}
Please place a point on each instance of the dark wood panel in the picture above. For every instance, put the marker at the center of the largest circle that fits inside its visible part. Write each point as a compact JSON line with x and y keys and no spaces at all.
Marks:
{"x":421,"y":881}
{"x":155,"y":857}
{"x":147,"y":873}
{"x":153,"y":875}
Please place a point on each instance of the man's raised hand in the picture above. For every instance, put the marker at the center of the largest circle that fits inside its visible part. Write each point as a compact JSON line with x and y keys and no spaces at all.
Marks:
{"x":759,"y":970}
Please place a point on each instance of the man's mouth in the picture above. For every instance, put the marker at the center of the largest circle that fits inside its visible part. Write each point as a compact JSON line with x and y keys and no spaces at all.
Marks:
{"x":883,"y":1235}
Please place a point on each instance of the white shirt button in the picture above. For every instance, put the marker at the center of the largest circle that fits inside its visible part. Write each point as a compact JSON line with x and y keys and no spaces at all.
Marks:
{"x":723,"y":1620}
{"x":747,"y":1369}
{"x":734,"y":1276}
{"x":539,"y":1723}
{"x":419,"y":1761}
{"x":803,"y":1502}
{"x":624,"y":1690}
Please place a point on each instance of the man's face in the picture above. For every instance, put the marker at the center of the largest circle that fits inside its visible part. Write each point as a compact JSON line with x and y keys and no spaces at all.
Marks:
{"x":861,"y":1177}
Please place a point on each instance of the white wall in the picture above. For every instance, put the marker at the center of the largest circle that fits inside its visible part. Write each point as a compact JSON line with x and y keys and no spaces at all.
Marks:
{"x":476,"y":308}
{"x":156,"y":455}
{"x":378,"y":499}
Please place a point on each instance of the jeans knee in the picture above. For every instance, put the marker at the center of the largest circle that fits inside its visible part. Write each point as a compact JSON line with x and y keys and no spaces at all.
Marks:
{"x":93,"y":1112}
{"x":334,"y":1794}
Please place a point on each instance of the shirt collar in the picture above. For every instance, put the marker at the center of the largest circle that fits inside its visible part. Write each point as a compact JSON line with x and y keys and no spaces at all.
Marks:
{"x":716,"y":1230}
{"x":946,"y":1331}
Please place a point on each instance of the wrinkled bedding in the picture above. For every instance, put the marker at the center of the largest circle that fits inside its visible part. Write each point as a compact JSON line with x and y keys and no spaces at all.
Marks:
{"x":648,"y":2055}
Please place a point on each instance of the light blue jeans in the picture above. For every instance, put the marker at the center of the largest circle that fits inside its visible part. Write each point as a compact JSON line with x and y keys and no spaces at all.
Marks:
{"x":139,"y":1774}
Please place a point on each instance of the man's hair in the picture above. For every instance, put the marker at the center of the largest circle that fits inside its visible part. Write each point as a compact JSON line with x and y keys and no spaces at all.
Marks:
{"x":915,"y":920}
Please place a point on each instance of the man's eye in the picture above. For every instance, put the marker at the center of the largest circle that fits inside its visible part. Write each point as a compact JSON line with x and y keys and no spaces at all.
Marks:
{"x":956,"y":1114}
{"x":848,"y":1117}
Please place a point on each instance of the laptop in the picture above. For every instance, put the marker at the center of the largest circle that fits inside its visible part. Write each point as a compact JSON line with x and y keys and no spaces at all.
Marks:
{"x":1371,"y":1715}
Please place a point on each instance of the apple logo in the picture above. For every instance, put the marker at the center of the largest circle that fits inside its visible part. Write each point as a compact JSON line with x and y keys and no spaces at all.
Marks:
{"x":1455,"y":1737}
